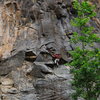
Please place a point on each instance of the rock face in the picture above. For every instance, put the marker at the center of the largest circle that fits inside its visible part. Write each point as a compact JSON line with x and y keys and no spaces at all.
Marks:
{"x":34,"y":40}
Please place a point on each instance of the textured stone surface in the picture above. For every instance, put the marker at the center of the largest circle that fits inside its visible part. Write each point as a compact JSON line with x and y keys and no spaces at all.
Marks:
{"x":34,"y":40}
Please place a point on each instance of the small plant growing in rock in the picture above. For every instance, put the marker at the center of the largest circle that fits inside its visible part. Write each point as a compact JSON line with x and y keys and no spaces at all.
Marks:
{"x":86,"y":62}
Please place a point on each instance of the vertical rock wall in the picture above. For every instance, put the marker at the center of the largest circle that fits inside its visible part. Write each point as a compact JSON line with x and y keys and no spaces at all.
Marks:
{"x":34,"y":40}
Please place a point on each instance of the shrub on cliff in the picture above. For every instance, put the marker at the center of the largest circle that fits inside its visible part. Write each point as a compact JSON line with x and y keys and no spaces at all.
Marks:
{"x":86,"y":62}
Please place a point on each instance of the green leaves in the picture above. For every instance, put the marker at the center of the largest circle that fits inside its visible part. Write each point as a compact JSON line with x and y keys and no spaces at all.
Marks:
{"x":94,"y":38}
{"x":86,"y":62}
{"x":85,"y":12}
{"x":87,"y":30}
{"x":75,"y":37}
{"x":84,"y":8}
{"x":79,"y":21}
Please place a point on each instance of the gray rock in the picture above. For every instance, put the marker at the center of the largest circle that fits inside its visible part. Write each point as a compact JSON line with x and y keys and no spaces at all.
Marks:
{"x":7,"y":65}
{"x":39,"y":71}
{"x":29,"y":97}
{"x":42,"y":27}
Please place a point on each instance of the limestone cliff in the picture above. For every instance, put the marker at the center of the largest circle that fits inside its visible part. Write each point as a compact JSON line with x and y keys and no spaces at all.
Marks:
{"x":34,"y":40}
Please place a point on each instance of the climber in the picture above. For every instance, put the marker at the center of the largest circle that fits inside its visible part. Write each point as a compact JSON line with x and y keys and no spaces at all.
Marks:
{"x":56,"y":57}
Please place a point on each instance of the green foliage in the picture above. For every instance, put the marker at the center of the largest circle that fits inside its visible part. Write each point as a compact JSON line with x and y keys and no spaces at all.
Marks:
{"x":86,"y":62}
{"x":84,"y":8}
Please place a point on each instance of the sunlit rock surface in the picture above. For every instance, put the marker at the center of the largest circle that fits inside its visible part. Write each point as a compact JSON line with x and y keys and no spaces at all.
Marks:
{"x":34,"y":40}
